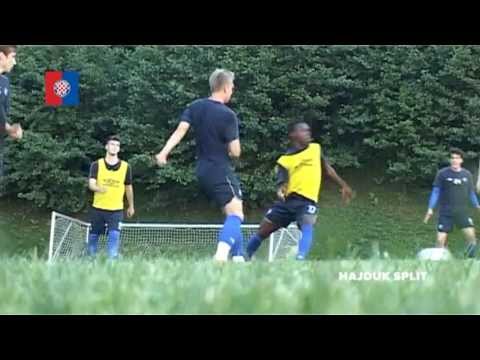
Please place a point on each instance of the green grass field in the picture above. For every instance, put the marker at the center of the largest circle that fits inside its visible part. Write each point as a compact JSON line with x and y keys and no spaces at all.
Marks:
{"x":163,"y":286}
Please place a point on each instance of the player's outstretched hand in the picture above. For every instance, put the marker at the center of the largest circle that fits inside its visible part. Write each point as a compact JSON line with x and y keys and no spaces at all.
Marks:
{"x":161,"y":159}
{"x":130,"y":211}
{"x":15,"y":131}
{"x":347,"y":194}
{"x":428,"y":215}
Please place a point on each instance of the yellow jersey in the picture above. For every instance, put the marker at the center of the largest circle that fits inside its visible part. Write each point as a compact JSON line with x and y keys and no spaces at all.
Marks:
{"x":304,"y":171}
{"x":114,"y":182}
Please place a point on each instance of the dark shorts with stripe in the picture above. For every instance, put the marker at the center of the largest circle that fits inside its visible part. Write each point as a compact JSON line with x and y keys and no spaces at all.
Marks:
{"x":219,"y":183}
{"x":460,"y":219}
{"x":294,"y":208}
{"x":101,"y":220}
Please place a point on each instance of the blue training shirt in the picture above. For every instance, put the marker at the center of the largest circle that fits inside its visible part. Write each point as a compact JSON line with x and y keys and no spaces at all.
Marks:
{"x":456,"y":188}
{"x":215,"y":125}
{"x":4,"y":106}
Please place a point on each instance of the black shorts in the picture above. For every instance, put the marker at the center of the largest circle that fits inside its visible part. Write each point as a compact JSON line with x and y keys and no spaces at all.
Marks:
{"x":220,"y":184}
{"x":294,"y":208}
{"x":446,"y":222}
{"x":102,"y":219}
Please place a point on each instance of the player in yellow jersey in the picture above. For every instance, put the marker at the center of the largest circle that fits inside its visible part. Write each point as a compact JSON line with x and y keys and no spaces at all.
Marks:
{"x":110,"y":179}
{"x":299,"y":174}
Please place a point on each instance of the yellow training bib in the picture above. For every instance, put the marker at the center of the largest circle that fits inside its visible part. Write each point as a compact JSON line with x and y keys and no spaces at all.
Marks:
{"x":114,"y":182}
{"x":304,"y":171}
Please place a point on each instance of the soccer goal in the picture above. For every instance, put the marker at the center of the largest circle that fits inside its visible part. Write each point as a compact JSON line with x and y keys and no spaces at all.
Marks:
{"x":69,"y":236}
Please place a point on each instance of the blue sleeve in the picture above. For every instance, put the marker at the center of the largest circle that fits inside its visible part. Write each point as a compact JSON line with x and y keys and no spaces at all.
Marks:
{"x":4,"y":101}
{"x":434,"y":197}
{"x":438,"y":180}
{"x":187,"y":115}
{"x":231,"y":130}
{"x":473,"y":198}
{"x":3,"y":118}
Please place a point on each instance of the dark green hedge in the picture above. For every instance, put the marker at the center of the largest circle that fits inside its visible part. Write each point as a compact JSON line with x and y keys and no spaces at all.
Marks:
{"x":396,"y":109}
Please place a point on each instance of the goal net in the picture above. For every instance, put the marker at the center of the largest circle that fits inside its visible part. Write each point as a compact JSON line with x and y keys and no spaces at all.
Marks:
{"x":69,"y":237}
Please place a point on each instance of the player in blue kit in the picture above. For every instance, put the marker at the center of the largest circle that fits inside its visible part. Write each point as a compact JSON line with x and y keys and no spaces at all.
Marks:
{"x":453,"y":190}
{"x":217,"y":141}
{"x":7,"y":62}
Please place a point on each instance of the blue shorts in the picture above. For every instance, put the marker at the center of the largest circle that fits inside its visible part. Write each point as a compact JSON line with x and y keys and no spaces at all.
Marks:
{"x":446,"y":222}
{"x":220,"y":184}
{"x":100,"y":220}
{"x":294,"y":208}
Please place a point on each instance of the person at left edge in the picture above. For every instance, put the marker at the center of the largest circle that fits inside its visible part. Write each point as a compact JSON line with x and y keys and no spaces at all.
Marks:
{"x":8,"y":55}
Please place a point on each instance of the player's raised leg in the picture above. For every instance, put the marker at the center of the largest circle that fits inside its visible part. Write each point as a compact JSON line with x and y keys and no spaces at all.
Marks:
{"x":266,"y":228}
{"x":281,"y":214}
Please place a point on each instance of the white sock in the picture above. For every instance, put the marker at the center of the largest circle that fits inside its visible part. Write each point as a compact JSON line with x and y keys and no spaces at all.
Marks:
{"x":223,"y":249}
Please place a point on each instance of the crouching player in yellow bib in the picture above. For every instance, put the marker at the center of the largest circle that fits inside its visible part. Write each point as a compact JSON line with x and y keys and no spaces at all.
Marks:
{"x":299,"y":174}
{"x":110,"y":179}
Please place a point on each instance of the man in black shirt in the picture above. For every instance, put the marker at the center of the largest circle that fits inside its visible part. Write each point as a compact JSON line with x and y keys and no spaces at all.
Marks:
{"x":217,"y":140}
{"x":7,"y":62}
{"x":453,"y":190}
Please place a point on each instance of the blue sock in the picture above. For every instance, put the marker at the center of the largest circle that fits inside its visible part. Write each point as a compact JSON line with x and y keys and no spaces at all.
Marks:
{"x":237,"y":248}
{"x":253,"y":245}
{"x":471,"y":250}
{"x":231,"y":230}
{"x":113,"y":243}
{"x":92,"y":244}
{"x":305,"y":242}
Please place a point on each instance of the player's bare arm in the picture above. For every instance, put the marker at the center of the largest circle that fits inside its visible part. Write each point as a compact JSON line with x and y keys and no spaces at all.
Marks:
{"x":346,"y":190}
{"x":15,"y":131}
{"x":92,"y":185}
{"x":131,"y":206}
{"x":234,"y":149}
{"x":428,"y":216}
{"x":174,"y":140}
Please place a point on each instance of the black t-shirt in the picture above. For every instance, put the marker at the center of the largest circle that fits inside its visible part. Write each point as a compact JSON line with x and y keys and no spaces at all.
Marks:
{"x":215,"y":126}
{"x":4,"y":104}
{"x":455,"y":188}
{"x":94,"y":170}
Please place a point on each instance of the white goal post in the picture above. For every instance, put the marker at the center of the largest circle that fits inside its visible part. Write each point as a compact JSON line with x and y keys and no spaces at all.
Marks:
{"x":69,"y":237}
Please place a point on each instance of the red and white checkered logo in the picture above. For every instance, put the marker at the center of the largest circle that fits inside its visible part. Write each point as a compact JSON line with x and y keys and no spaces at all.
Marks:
{"x":62,"y":88}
